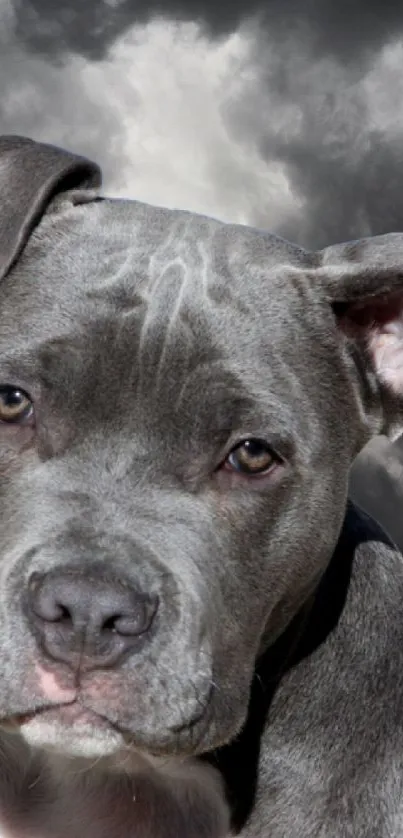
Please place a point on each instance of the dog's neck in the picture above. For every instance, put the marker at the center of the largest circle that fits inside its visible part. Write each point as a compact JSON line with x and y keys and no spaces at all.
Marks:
{"x":315,"y":620}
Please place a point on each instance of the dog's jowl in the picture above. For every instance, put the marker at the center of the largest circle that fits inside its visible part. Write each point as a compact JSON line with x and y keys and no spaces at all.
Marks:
{"x":200,"y":636}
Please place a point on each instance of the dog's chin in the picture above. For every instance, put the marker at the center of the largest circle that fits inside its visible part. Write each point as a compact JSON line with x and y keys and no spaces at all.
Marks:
{"x":91,"y":742}
{"x":90,"y":738}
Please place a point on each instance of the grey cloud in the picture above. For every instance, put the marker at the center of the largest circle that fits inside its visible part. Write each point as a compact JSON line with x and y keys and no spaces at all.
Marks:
{"x":303,"y":108}
{"x":335,"y":128}
{"x":351,"y":31}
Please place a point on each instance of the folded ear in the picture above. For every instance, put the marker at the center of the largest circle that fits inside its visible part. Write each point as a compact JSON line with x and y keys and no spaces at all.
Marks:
{"x":364,"y":284}
{"x":30,"y":175}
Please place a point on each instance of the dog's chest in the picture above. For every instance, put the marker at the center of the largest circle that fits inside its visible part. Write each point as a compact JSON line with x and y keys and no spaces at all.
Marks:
{"x":65,"y":799}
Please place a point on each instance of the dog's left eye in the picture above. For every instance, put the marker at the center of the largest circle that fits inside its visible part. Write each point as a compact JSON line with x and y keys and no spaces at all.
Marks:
{"x":15,"y":405}
{"x":251,"y":457}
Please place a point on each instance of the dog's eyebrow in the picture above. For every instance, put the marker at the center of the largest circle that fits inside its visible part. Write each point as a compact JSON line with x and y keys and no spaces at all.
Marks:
{"x":34,"y":365}
{"x":16,"y":365}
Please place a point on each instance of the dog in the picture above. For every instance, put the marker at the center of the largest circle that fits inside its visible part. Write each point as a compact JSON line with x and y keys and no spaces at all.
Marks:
{"x":200,"y":634}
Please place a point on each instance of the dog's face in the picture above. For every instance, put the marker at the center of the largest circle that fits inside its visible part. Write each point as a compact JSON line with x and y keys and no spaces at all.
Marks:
{"x":178,"y":412}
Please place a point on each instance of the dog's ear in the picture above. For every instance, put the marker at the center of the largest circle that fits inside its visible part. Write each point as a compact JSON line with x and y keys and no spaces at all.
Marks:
{"x":364,"y":284}
{"x":30,"y":175}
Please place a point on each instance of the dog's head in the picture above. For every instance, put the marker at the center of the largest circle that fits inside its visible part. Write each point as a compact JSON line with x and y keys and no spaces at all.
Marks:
{"x":180,"y":402}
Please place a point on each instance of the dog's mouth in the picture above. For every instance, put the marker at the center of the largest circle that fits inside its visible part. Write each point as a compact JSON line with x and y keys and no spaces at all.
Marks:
{"x":67,"y":728}
{"x":71,"y":730}
{"x":73,"y":727}
{"x":65,"y":714}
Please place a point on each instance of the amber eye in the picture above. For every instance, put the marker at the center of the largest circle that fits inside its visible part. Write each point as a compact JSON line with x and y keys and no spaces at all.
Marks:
{"x":15,"y":405}
{"x":253,"y":456}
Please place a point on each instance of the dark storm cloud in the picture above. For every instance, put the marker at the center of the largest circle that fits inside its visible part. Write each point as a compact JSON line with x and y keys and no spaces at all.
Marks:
{"x":345,"y":201}
{"x":345,"y":173}
{"x":352,"y":31}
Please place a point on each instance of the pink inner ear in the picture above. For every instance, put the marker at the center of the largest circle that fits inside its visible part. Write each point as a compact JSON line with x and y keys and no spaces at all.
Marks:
{"x":379,"y":322}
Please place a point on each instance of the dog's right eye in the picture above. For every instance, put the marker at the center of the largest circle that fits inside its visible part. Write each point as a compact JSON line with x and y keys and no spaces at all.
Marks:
{"x":252,"y":458}
{"x":15,"y":405}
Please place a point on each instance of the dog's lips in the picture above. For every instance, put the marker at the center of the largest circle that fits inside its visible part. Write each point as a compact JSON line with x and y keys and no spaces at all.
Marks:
{"x":12,"y":723}
{"x":62,"y":715}
{"x":52,"y":687}
{"x":22,"y":719}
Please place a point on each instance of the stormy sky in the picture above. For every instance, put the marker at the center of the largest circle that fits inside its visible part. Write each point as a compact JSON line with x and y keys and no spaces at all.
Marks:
{"x":287,"y":114}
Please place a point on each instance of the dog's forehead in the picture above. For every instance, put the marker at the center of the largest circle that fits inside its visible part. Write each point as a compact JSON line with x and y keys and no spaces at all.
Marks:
{"x":123,"y":249}
{"x":164,"y":282}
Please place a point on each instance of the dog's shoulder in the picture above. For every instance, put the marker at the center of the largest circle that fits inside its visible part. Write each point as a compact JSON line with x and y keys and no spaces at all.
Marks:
{"x":334,"y":736}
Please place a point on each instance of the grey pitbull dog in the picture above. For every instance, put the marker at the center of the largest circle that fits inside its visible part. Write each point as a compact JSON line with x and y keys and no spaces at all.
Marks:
{"x":199,"y":635}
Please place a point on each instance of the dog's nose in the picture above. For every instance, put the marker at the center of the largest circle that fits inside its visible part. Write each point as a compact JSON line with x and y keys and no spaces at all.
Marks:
{"x":87,"y":620}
